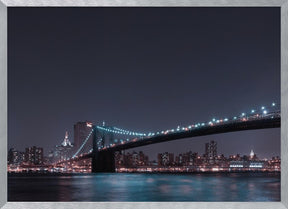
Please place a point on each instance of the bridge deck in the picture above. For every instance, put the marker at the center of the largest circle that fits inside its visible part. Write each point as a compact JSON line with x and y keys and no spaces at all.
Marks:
{"x":201,"y":131}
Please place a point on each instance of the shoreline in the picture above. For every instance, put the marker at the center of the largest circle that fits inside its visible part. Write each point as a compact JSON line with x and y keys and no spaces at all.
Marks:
{"x":177,"y":173}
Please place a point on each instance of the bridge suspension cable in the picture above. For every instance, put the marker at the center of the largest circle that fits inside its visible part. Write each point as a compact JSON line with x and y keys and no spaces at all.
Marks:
{"x":81,"y":147}
{"x":261,"y":111}
{"x":120,"y":131}
{"x":254,"y":114}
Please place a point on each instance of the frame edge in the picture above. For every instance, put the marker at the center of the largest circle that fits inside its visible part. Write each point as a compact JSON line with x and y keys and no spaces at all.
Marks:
{"x":284,"y":102}
{"x":3,"y":102}
{"x":146,"y":3}
{"x":3,"y":82}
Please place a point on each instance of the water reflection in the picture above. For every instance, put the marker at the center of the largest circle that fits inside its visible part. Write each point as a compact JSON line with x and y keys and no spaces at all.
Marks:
{"x":146,"y":187}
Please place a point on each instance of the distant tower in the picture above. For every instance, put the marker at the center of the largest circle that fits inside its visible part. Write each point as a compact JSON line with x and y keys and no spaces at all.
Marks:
{"x":63,"y":151}
{"x":66,"y":141}
{"x":252,"y":154}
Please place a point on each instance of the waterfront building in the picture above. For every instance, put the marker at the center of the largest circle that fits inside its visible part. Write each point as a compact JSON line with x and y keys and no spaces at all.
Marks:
{"x":198,"y":160}
{"x":239,"y":164}
{"x":143,"y":159}
{"x":34,"y":155}
{"x":119,"y":159}
{"x":274,"y":164}
{"x":15,"y":157}
{"x":135,"y":159}
{"x":131,"y":159}
{"x":186,"y":159}
{"x":165,"y":159}
{"x":211,"y":152}
{"x":127,"y":159}
{"x":179,"y":160}
{"x":247,"y":165}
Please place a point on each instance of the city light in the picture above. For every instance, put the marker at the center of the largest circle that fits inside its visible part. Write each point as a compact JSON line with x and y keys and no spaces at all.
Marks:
{"x":180,"y":129}
{"x":142,"y":136}
{"x":89,"y":124}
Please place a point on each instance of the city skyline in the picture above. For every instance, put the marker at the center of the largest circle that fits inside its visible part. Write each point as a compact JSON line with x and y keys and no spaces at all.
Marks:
{"x":32,"y":161}
{"x":33,"y":156}
{"x":200,"y":150}
{"x":143,"y":71}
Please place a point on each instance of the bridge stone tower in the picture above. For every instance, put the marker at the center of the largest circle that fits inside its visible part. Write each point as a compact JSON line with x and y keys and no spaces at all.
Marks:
{"x":102,"y":161}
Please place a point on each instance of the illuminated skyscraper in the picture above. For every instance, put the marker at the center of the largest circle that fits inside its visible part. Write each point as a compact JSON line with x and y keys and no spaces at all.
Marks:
{"x":165,"y":159}
{"x":211,"y":152}
{"x":63,"y":151}
{"x":34,"y":155}
{"x":81,"y":131}
{"x":66,"y":141}
{"x":15,"y":157}
{"x":252,"y":154}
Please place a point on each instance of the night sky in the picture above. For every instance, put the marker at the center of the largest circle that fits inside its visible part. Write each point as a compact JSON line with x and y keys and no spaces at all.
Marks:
{"x":142,"y":69}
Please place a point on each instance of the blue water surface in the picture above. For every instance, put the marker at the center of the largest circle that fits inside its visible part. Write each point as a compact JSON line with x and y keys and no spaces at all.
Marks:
{"x":146,"y":187}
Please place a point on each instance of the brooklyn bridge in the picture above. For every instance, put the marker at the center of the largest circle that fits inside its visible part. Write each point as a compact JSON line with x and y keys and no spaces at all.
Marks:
{"x":103,"y":141}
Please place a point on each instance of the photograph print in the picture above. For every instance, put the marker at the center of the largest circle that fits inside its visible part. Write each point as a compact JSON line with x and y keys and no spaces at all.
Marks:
{"x":144,"y":104}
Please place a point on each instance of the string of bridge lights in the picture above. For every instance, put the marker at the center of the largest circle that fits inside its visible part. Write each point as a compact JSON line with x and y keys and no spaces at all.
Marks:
{"x":120,"y":131}
{"x":263,"y":111}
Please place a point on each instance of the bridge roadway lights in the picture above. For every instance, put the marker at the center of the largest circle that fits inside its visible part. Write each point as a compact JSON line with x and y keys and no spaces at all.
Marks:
{"x":103,"y":161}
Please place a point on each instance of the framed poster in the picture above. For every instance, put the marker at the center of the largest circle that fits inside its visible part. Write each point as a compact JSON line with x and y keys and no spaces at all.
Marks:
{"x":182,"y":100}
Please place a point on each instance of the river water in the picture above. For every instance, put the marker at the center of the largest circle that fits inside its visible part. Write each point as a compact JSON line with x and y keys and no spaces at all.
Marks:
{"x":145,"y":187}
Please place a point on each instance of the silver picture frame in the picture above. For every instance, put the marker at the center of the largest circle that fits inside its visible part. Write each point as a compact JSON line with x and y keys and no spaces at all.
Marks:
{"x":283,"y":4}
